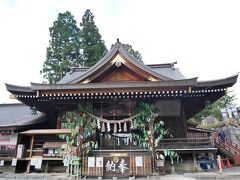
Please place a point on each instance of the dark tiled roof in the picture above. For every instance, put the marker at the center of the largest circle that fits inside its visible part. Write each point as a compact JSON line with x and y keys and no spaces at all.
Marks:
{"x":226,"y":82}
{"x":78,"y":75}
{"x":167,"y":70}
{"x":11,"y":87}
{"x":170,"y":72}
{"x":70,"y":76}
{"x":73,"y":74}
{"x":112,"y":85}
{"x":209,"y":119}
{"x":229,"y":81}
{"x":16,"y":115}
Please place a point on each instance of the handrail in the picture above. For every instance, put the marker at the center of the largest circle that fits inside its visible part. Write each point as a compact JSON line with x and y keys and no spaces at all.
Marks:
{"x":227,"y":145}
{"x":233,"y":143}
{"x":229,"y":140}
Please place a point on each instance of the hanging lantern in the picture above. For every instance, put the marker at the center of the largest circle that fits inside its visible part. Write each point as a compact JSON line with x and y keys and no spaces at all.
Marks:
{"x":115,"y":128}
{"x":125,"y":127}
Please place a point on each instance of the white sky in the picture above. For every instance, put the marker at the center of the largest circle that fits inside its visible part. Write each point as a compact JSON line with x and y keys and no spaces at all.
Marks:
{"x":203,"y":36}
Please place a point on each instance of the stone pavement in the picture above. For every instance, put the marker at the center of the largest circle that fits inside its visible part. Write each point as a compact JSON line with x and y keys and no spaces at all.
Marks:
{"x":229,"y":174}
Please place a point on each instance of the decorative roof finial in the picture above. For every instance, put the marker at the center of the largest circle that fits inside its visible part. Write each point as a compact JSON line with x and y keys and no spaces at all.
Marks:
{"x":118,"y":40}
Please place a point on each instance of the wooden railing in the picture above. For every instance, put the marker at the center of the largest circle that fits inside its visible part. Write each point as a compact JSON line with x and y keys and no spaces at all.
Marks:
{"x":173,"y":143}
{"x":197,"y":135}
{"x":228,"y":145}
{"x":7,"y":152}
{"x":186,"y":143}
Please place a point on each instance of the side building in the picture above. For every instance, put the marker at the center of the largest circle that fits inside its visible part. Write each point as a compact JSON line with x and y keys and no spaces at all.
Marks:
{"x":15,"y":118}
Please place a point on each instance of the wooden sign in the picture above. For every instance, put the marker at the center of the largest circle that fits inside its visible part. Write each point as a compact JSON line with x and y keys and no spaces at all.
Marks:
{"x":116,"y":166}
{"x":160,"y":163}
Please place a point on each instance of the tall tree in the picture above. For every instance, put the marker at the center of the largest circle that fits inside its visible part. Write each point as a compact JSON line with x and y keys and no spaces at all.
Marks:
{"x":93,"y":47}
{"x":131,"y":51}
{"x":63,"y":51}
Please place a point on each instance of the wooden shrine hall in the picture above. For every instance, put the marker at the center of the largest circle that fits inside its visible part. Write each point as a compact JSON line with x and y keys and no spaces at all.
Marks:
{"x":115,"y":86}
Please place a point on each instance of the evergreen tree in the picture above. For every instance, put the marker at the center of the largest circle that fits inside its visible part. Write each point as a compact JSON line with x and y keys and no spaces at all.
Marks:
{"x":63,"y":51}
{"x":130,"y":50}
{"x":93,"y":48}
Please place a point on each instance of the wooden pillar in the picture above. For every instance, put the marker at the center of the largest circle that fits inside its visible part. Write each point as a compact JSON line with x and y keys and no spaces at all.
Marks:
{"x":184,"y":121}
{"x":31,"y":146}
{"x":30,"y":155}
{"x":46,"y":167}
{"x":28,"y":166}
{"x":215,"y":161}
{"x":58,"y":124}
{"x":195,"y":161}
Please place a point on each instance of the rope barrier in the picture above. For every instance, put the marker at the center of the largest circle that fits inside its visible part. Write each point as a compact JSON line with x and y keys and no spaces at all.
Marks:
{"x":112,"y":121}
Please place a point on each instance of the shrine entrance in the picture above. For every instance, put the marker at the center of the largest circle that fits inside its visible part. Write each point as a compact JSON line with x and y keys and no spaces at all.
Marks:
{"x":118,"y":154}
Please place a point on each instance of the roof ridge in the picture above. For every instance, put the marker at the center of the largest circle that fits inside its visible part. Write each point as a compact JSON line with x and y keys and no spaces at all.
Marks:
{"x":162,"y":65}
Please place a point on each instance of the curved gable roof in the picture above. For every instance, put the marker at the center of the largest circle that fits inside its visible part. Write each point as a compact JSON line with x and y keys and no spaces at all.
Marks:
{"x":80,"y":75}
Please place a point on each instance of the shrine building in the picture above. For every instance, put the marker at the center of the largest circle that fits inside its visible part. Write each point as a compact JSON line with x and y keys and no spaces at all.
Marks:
{"x":115,"y":86}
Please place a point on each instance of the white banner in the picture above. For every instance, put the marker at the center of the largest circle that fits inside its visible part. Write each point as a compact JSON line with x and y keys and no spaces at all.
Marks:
{"x":235,"y":113}
{"x":33,"y":161}
{"x":139,"y":161}
{"x":14,"y":161}
{"x":38,"y":163}
{"x":224,"y":114}
{"x":1,"y":162}
{"x":91,"y":161}
{"x":99,"y":161}
{"x":229,"y":111}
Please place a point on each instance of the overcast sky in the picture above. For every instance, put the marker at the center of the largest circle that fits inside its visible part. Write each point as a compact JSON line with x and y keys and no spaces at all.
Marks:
{"x":203,"y":36}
